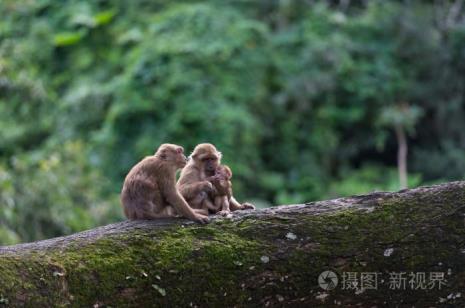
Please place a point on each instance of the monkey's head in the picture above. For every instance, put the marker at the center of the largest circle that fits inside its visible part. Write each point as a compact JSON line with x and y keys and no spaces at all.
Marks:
{"x":172,"y":154}
{"x":224,"y":172}
{"x":206,"y":157}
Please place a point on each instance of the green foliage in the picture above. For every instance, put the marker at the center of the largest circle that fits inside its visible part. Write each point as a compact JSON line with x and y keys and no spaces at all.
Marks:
{"x":368,"y":178}
{"x":300,"y":98}
{"x":52,"y":192}
{"x":182,"y":80}
{"x":400,"y":115}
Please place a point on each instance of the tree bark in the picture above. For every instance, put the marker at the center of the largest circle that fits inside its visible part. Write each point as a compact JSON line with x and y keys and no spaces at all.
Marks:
{"x":269,"y":257}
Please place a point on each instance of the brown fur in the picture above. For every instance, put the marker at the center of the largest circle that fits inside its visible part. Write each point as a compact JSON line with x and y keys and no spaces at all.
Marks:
{"x":194,"y":182}
{"x":223,"y":186}
{"x":196,"y":177}
{"x":149,"y":190}
{"x":222,"y":180}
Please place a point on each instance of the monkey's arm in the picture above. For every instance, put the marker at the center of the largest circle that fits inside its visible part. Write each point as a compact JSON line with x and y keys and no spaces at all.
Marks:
{"x":191,"y":190}
{"x":225,"y":204}
{"x":175,"y":199}
{"x":234,"y":205}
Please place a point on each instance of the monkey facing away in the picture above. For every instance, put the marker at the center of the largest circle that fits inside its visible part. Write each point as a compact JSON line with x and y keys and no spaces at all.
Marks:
{"x":196,"y":177}
{"x":149,"y":190}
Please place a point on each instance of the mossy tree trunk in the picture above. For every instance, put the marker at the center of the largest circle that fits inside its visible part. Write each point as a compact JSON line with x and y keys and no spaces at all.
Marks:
{"x":266,"y":257}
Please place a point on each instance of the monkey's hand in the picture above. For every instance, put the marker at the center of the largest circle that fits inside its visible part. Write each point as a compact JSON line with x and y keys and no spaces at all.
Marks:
{"x":223,"y":213}
{"x":201,"y":219}
{"x":248,"y":206}
{"x":207,"y":186}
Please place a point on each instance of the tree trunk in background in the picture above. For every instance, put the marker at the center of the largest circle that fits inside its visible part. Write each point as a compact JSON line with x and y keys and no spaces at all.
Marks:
{"x":269,"y":257}
{"x":402,"y":156}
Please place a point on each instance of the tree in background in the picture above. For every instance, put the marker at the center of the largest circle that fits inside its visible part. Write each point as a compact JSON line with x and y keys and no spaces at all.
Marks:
{"x":402,"y":118}
{"x":301,"y":98}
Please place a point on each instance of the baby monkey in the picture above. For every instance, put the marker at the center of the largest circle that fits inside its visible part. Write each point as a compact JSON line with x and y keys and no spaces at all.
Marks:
{"x":222,"y":191}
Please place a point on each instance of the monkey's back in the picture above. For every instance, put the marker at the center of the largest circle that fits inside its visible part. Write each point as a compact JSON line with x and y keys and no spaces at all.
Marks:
{"x":140,"y":184}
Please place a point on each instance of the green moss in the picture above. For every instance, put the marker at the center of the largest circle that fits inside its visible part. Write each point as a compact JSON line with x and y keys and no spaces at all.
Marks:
{"x":112,"y":270}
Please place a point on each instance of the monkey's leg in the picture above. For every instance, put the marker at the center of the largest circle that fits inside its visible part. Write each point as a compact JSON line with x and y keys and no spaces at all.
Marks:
{"x":129,"y":212}
{"x":209,"y":205}
{"x":198,"y":205}
{"x":159,"y":207}
{"x":152,"y":206}
{"x":145,"y":210}
{"x":168,"y":211}
{"x":147,"y":215}
{"x":197,"y":201}
{"x":224,"y":206}
{"x":234,"y":205}
{"x":174,"y":198}
{"x":219,"y":202}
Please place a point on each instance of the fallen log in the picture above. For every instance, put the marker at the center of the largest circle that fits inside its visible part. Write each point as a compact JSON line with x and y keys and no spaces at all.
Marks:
{"x":381,"y":249}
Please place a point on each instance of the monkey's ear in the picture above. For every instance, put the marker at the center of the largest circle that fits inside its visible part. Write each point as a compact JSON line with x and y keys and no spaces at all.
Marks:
{"x":220,"y":155}
{"x":163,"y":154}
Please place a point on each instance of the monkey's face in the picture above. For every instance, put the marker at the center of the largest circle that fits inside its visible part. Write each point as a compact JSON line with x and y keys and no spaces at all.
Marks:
{"x":224,"y":172}
{"x":210,"y":163}
{"x":206,"y":157}
{"x":181,"y":159}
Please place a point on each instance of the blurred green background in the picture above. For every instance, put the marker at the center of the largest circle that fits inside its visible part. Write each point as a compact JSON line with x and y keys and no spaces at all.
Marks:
{"x":307,"y":100}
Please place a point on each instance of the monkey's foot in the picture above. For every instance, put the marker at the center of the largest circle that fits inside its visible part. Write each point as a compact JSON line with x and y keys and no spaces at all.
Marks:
{"x":201,"y":219}
{"x":223,"y":213}
{"x":247,"y":206}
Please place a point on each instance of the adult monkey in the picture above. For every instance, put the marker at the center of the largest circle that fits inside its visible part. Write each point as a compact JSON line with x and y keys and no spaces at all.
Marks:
{"x":194,"y":182}
{"x":149,"y":190}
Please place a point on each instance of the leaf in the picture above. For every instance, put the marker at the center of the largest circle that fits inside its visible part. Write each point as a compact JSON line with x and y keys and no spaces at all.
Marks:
{"x":159,"y":289}
{"x":104,"y":17}
{"x":67,"y":38}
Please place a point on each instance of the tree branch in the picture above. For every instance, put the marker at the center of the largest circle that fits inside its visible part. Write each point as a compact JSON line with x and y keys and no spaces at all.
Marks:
{"x":268,"y":257}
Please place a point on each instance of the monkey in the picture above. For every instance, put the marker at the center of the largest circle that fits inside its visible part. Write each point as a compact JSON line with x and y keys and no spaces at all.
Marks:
{"x":221,"y":193}
{"x":149,"y":190}
{"x":195,"y":180}
{"x":222,"y":180}
{"x":222,"y":183}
